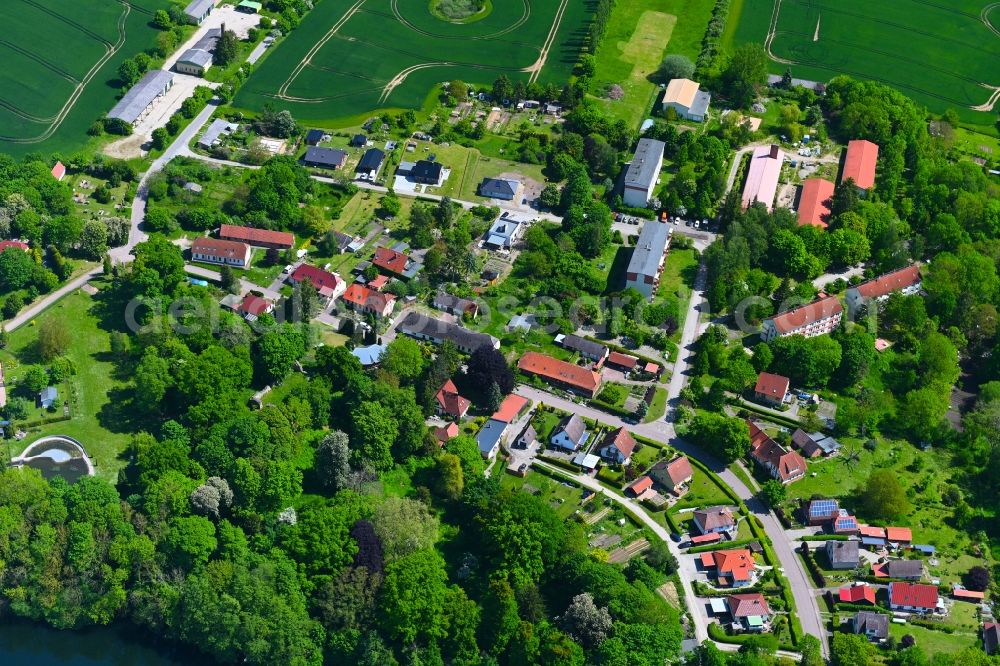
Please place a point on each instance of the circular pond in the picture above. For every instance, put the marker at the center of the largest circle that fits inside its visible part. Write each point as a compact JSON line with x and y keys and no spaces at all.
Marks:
{"x":56,"y":455}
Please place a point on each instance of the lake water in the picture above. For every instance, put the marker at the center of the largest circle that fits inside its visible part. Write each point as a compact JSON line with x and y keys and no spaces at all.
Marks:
{"x":26,"y":644}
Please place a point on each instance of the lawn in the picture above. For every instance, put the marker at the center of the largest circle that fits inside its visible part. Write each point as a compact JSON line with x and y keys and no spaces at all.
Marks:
{"x":562,"y":496}
{"x":703,"y":492}
{"x":933,"y":641}
{"x":94,"y":421}
{"x":32,"y":118}
{"x":658,"y":407}
{"x":676,"y":283}
{"x":347,"y":58}
{"x":936,"y":53}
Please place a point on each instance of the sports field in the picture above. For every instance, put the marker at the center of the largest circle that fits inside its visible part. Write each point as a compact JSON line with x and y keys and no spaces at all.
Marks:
{"x":60,"y":60}
{"x":350,"y":57}
{"x":943,"y":53}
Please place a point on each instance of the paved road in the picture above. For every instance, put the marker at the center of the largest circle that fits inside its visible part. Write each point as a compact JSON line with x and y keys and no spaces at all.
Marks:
{"x":36,"y":308}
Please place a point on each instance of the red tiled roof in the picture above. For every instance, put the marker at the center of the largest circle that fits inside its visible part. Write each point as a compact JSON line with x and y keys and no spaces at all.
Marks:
{"x":621,"y":440}
{"x":622,"y":360}
{"x":378,"y":282}
{"x":813,"y":208}
{"x":736,"y":564}
{"x":787,"y":464}
{"x":679,"y":470}
{"x":641,"y":485}
{"x":317,"y":276}
{"x":59,"y":171}
{"x":872,"y":531}
{"x":913,"y":594}
{"x":390,"y":260}
{"x":652,"y":368}
{"x":253,"y":236}
{"x":747,"y":605}
{"x":807,"y":314}
{"x":20,"y":245}
{"x":362,"y":296}
{"x":510,"y":408}
{"x":860,"y":163}
{"x":967,"y":594}
{"x":451,"y":402}
{"x":254,"y":305}
{"x":221,"y":249}
{"x":853,"y":594}
{"x":771,"y":385}
{"x":702,"y":539}
{"x":899,"y":534}
{"x":450,"y":431}
{"x":890,"y":282}
{"x":550,"y":368}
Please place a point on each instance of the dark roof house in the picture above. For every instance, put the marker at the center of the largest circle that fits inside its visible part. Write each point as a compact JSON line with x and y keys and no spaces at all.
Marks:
{"x":328,"y":158}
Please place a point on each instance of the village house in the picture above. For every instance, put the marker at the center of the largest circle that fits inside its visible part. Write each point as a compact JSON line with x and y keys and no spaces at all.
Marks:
{"x":252,"y":307}
{"x":427,"y":173}
{"x":571,"y":434}
{"x":590,"y":350}
{"x":991,"y":637}
{"x":817,"y":318}
{"x":360,"y":298}
{"x":199,"y":58}
{"x":215,"y":251}
{"x":750,"y":612}
{"x":491,"y":437}
{"x":450,"y":403}
{"x":874,"y":626}
{"x":59,"y":171}
{"x":396,"y":263}
{"x":446,"y":433}
{"x":422,"y":327}
{"x":905,"y":281}
{"x":370,"y":164}
{"x":505,"y":231}
{"x":561,"y":374}
{"x":814,"y":444}
{"x":624,"y":362}
{"x":617,"y":446}
{"x":460,"y":307}
{"x":267,"y":238}
{"x":504,"y":189}
{"x":324,"y":158}
{"x":784,"y":465}
{"x":821,"y":511}
{"x":730,"y":568}
{"x":771,"y":389}
{"x":913,"y":598}
{"x":329,"y":286}
{"x":844,"y":523}
{"x":901,"y":569}
{"x":858,"y":593}
{"x":314,"y":136}
{"x":674,"y":475}
{"x":716,"y":519}
{"x":842,"y":554}
{"x":684,"y":97}
{"x":512,"y":407}
{"x":638,"y":487}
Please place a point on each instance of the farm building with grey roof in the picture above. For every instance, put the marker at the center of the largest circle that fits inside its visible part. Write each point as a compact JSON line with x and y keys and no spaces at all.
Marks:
{"x":141,"y":97}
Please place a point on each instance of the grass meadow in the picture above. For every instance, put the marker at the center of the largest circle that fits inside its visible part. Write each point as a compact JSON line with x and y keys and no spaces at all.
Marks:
{"x":54,"y":51}
{"x":384,"y":54}
{"x":937,"y":53}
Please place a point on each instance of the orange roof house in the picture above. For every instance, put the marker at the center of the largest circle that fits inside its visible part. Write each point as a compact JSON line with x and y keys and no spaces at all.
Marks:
{"x":899,"y":534}
{"x":860,"y":162}
{"x":569,"y":376}
{"x":281,"y":240}
{"x":450,"y":402}
{"x":361,"y":298}
{"x":640,"y":485}
{"x":771,"y":388}
{"x":872,"y":531}
{"x":732,"y":567}
{"x":857,"y":594}
{"x":390,"y":260}
{"x":813,"y":202}
{"x":782,"y":464}
{"x":446,"y":433}
{"x":816,"y":318}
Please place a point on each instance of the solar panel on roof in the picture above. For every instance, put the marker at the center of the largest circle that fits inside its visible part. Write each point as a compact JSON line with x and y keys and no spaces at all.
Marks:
{"x":822,"y":507}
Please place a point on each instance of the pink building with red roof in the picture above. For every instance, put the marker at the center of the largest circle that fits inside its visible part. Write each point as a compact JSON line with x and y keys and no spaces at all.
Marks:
{"x":762,"y":176}
{"x":816,"y":318}
{"x":859,"y":165}
{"x":329,"y":285}
{"x":906,"y":281}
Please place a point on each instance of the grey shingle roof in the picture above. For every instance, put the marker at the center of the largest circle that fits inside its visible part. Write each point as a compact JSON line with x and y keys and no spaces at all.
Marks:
{"x":418,"y":325}
{"x":645,"y":166}
{"x":584,"y":346}
{"x":700,"y":105}
{"x":842,"y":552}
{"x":141,"y":95}
{"x":649,"y":248}
{"x":197,"y":8}
{"x":196,"y":57}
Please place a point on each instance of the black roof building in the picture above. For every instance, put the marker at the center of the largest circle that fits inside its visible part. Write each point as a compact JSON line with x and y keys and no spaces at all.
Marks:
{"x":426,"y":172}
{"x":359,"y":141}
{"x":313,"y":137}
{"x":371,"y":160}
{"x":331,"y":158}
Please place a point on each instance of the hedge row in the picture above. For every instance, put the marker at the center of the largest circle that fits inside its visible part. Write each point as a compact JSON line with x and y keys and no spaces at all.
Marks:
{"x":720,"y":546}
{"x":817,"y":575}
{"x":710,"y":44}
{"x":770,"y":416}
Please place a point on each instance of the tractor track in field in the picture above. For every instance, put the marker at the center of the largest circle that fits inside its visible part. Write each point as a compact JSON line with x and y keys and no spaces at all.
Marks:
{"x":351,"y":11}
{"x":772,"y":30}
{"x":985,"y":16}
{"x":41,"y":61}
{"x":536,"y":69}
{"x":79,"y":26}
{"x":398,"y":80}
{"x":992,"y":101}
{"x":111,"y":50}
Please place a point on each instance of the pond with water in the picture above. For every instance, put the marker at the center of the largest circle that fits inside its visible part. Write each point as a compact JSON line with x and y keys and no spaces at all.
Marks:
{"x":28,"y":644}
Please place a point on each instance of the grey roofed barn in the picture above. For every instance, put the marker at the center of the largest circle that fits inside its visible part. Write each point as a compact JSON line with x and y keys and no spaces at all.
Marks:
{"x":645,"y":166}
{"x":141,"y":95}
{"x":218,"y":127}
{"x":588,"y":348}
{"x":438,"y":331}
{"x":197,"y":57}
{"x":197,"y":10}
{"x":649,"y":249}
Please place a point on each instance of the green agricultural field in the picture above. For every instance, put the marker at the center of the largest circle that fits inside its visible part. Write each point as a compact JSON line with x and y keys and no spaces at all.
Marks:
{"x":60,"y":62}
{"x":350,"y":57}
{"x":943,"y":54}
